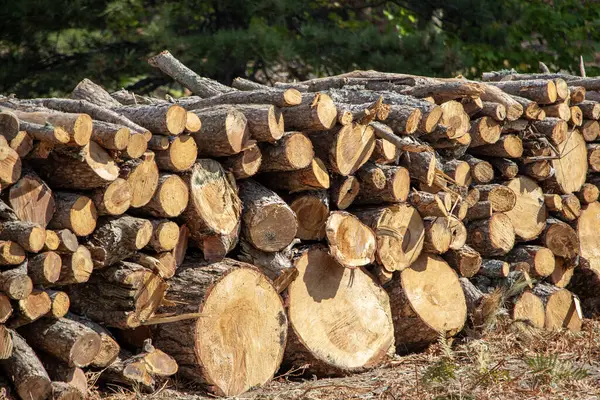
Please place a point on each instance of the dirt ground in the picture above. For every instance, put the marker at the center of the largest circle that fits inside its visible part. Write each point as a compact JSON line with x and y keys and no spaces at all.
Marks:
{"x":513,"y":361}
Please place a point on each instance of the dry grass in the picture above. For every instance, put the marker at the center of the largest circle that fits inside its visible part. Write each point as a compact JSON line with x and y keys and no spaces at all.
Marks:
{"x":514,"y":361}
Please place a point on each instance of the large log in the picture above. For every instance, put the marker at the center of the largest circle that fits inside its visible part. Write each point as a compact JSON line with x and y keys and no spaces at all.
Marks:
{"x":560,"y":238}
{"x":328,"y":331}
{"x":571,"y":165}
{"x":214,"y":210}
{"x":427,"y":302}
{"x":229,"y":361}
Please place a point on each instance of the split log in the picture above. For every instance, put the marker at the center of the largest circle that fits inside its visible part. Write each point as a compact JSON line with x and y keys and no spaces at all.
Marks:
{"x":74,"y":212}
{"x":114,"y":199}
{"x":6,"y":308}
{"x":122,"y":296}
{"x":351,"y":242}
{"x":560,"y":238}
{"x":109,"y":348}
{"x":76,"y":267}
{"x":25,"y":371}
{"x":83,"y":168}
{"x":313,"y":177}
{"x":77,"y":126}
{"x":28,"y":235}
{"x":142,"y":175}
{"x":213,"y":220}
{"x":224,"y":131}
{"x":311,"y":209}
{"x":325,"y":293}
{"x":399,"y":232}
{"x":420,"y":320}
{"x":562,"y":308}
{"x":492,"y":237}
{"x":11,"y":253}
{"x":385,"y":152}
{"x":15,"y":283}
{"x":170,"y":198}
{"x":315,"y":113}
{"x":245,"y":164}
{"x":110,"y":136}
{"x":60,"y":303}
{"x":33,"y":307}
{"x":465,"y":261}
{"x":118,"y":238}
{"x":292,"y":152}
{"x":344,"y":190}
{"x":528,"y":216}
{"x":481,"y":171}
{"x":269,"y":223}
{"x":540,"y":260}
{"x":44,"y":268}
{"x":201,"y":348}
{"x":10,"y":165}
{"x":345,"y":149}
{"x":265,"y":121}
{"x":180,"y":155}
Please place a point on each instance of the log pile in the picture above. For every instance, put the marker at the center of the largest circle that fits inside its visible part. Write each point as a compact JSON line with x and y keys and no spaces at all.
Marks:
{"x":330,"y":223}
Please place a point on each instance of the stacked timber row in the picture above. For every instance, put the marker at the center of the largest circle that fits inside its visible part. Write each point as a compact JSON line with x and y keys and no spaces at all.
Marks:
{"x":386,"y":209}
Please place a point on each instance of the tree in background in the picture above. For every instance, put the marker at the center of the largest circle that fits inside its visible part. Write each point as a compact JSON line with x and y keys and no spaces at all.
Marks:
{"x":46,"y":47}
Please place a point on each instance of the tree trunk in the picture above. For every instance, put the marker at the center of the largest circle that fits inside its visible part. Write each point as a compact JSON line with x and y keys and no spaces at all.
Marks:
{"x":269,"y":223}
{"x":313,"y":177}
{"x":224,"y":132}
{"x":351,"y":242}
{"x":312,"y":210}
{"x":245,"y":164}
{"x":251,"y":354}
{"x":214,"y":221}
{"x":420,"y":320}
{"x":74,"y":212}
{"x":492,"y":237}
{"x":528,"y":216}
{"x":180,"y":155}
{"x":142,"y":175}
{"x":292,"y":152}
{"x":170,"y":198}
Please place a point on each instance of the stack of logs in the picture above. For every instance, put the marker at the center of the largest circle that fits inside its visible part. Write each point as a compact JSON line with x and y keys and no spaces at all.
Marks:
{"x":384,"y":208}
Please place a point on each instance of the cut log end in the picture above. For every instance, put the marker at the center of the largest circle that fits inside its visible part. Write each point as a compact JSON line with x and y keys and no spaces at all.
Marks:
{"x":351,"y":242}
{"x":176,"y":119}
{"x":528,"y":307}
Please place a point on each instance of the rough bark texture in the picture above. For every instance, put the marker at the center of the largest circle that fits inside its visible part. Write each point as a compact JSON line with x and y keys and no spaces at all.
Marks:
{"x":224,"y":131}
{"x":293,"y":151}
{"x":245,"y":164}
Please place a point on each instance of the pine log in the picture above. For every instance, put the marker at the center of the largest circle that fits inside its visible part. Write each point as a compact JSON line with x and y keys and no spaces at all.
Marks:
{"x":269,"y":223}
{"x":570,"y":168}
{"x":553,"y":128}
{"x":28,"y":235}
{"x":124,"y":295}
{"x":508,"y":146}
{"x":165,"y":235}
{"x":293,"y":151}
{"x":311,"y":209}
{"x":59,"y":304}
{"x":224,"y":131}
{"x":213,"y":220}
{"x":11,"y":253}
{"x":74,"y":212}
{"x":25,"y":371}
{"x":83,"y":168}
{"x":252,"y":353}
{"x":142,"y":175}
{"x":15,"y":283}
{"x":459,"y":171}
{"x":180,"y":155}
{"x":10,"y":165}
{"x":481,"y":171}
{"x":430,"y":205}
{"x":6,"y":308}
{"x":399,"y":232}
{"x":45,"y":133}
{"x":494,"y":268}
{"x":420,"y":320}
{"x":265,"y":95}
{"x":94,"y":93}
{"x":558,"y":110}
{"x":109,"y":348}
{"x":438,"y":235}
{"x":560,"y":238}
{"x":163,"y":119}
{"x":118,"y":238}
{"x":77,"y":126}
{"x":33,"y":307}
{"x":344,"y":149}
{"x":588,"y":194}
{"x":465,"y":261}
{"x":277,"y":266}
{"x":490,"y":109}
{"x":110,"y":136}
{"x":69,"y":383}
{"x":136,"y":147}
{"x":170,"y":198}
{"x":9,"y":124}
{"x":351,"y":242}
{"x":396,"y":186}
{"x":540,"y":260}
{"x":315,"y":113}
{"x":327,"y":294}
{"x":492,"y":237}
{"x":562,"y":274}
{"x":245,"y":164}
{"x":562,"y":308}
{"x":313,"y":177}
{"x":541,"y":91}
{"x":44,"y":268}
{"x":76,"y":267}
{"x":68,"y":242}
{"x":265,"y":121}
{"x":528,"y":216}
{"x":344,"y":190}
{"x":114,"y":199}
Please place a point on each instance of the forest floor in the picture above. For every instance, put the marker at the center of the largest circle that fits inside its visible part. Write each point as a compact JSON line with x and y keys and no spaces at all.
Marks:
{"x":512,"y":361}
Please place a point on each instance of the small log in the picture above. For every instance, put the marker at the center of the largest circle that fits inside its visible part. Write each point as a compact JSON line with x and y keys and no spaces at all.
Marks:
{"x":508,"y":146}
{"x":15,"y":283}
{"x":68,"y":242}
{"x":480,"y":210}
{"x":33,"y":307}
{"x":11,"y":253}
{"x":438,"y":235}
{"x":528,"y":216}
{"x":562,"y":274}
{"x":421,"y":166}
{"x":351,"y":242}
{"x":77,"y":126}
{"x":570,"y":209}
{"x":385,"y":152}
{"x":76,"y":267}
{"x":45,"y":133}
{"x":109,"y":348}
{"x":558,"y":110}
{"x":60,"y":303}
{"x":311,"y":209}
{"x":344,"y":190}
{"x":459,"y":171}
{"x":277,"y":97}
{"x":293,"y":151}
{"x":170,"y":198}
{"x":502,"y":198}
{"x":142,"y":175}
{"x":52,"y":241}
{"x":315,"y":113}
{"x":180,"y":155}
{"x":28,"y":235}
{"x":529,"y":308}
{"x":245,"y":164}
{"x":163,"y":119}
{"x":590,"y":109}
{"x":481,"y":171}
{"x":22,"y":143}
{"x":165,"y":235}
{"x":44,"y":268}
{"x":110,"y":136}
{"x":192,"y":123}
{"x":74,"y":212}
{"x":593,"y":156}
{"x":492,"y":237}
{"x":562,"y":308}
{"x":265,"y":121}
{"x":130,"y":371}
{"x":10,"y":165}
{"x":396,"y":186}
{"x":538,"y":90}
{"x":114,"y":199}
{"x":6,"y":308}
{"x":588,"y":193}
{"x":136,"y":147}
{"x":540,"y":260}
{"x":576,"y":116}
{"x":484,"y":131}
{"x":6,"y":343}
{"x":494,"y":268}
{"x":531,"y":110}
{"x":25,"y":371}
{"x":560,"y":238}
{"x":553,"y":128}
{"x":224,"y":131}
{"x":313,"y":177}
{"x":490,"y":109}
{"x":465,"y":261}
{"x":507,"y":168}
{"x":269,"y":223}
{"x":458,"y":230}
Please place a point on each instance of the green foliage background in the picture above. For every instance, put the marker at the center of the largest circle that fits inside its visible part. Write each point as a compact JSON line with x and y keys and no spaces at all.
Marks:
{"x":47,"y":46}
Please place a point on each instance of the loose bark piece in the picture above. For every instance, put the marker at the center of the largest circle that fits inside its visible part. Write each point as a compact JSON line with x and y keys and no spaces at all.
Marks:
{"x":245,"y":164}
{"x":269,"y":223}
{"x":60,"y":303}
{"x":224,"y":131}
{"x":351,"y":242}
{"x":208,"y":354}
{"x":170,"y":198}
{"x":399,"y":232}
{"x":344,"y":190}
{"x":109,"y":348}
{"x":214,"y":210}
{"x":76,"y":267}
{"x":44,"y":268}
{"x":492,"y":237}
{"x":315,"y":113}
{"x":118,"y":238}
{"x":180,"y":155}
{"x":331,"y":296}
{"x":110,"y":136}
{"x":562,"y":308}
{"x":114,"y":199}
{"x":15,"y":283}
{"x":66,"y":339}
{"x":311,"y":209}
{"x":25,"y":371}
{"x":560,"y":238}
{"x":419,"y":320}
{"x":540,"y":260}
{"x":28,"y":235}
{"x":11,"y":253}
{"x":528,"y":216}
{"x":465,"y":260}
{"x":293,"y":151}
{"x":313,"y":177}
{"x":74,"y":212}
{"x":142,"y":175}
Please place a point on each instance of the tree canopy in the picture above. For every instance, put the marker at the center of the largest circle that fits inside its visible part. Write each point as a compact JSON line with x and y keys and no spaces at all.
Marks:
{"x":47,"y":46}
